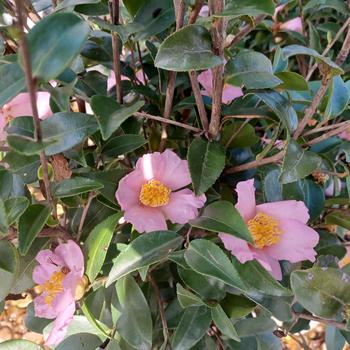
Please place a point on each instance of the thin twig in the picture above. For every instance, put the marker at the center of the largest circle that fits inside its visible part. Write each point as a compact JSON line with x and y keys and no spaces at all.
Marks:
{"x":218,"y":36}
{"x":322,"y":320}
{"x":328,"y":127}
{"x":195,"y":11}
{"x":141,"y":63}
{"x":168,"y":121}
{"x":114,"y":14}
{"x":31,"y":86}
{"x":199,"y":100}
{"x":344,"y":51}
{"x":326,"y":136}
{"x":84,"y":214}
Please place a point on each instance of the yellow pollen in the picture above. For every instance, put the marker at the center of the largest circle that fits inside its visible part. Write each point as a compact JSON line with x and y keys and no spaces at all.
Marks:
{"x":154,"y":194}
{"x":53,"y":286}
{"x":264,"y":230}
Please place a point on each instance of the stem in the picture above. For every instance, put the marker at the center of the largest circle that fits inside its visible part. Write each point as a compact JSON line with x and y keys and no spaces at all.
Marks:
{"x":141,"y":63}
{"x":344,"y":52}
{"x":326,"y":136}
{"x":199,"y":100}
{"x":31,"y":86}
{"x":195,"y":11}
{"x":114,"y":13}
{"x":218,"y":29}
{"x":328,"y":127}
{"x":322,"y":320}
{"x":84,"y":214}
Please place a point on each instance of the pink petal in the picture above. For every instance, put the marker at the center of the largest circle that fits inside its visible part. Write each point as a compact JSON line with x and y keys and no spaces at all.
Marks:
{"x":42,"y":309}
{"x":294,"y":25}
{"x":296,"y":244}
{"x":206,"y":80}
{"x":229,"y":93}
{"x":183,"y":206}
{"x":238,"y":247}
{"x":145,"y":219}
{"x":2,"y":127}
{"x":345,"y":135}
{"x":43,"y":103}
{"x":278,"y":9}
{"x":204,"y":12}
{"x":167,"y":167}
{"x":246,"y":199}
{"x":268,"y":263}
{"x":42,"y":273}
{"x":290,"y":209}
{"x":47,"y":256}
{"x":72,"y":256}
{"x":60,"y":325}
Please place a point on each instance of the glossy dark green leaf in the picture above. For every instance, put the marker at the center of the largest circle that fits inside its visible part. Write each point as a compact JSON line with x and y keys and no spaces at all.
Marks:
{"x":236,"y":8}
{"x":71,"y":3}
{"x":324,"y":291}
{"x":30,"y":224}
{"x":110,"y":114}
{"x":223,"y":323}
{"x":123,"y":144}
{"x":292,"y":81}
{"x":187,"y":298}
{"x":193,"y":325}
{"x":222,"y":216}
{"x":317,"y":5}
{"x":281,"y":107}
{"x":206,"y":160}
{"x":4,"y":224}
{"x":143,"y":251}
{"x":339,"y":218}
{"x":12,"y":81}
{"x":292,"y":50}
{"x":187,"y":49}
{"x":74,"y":186}
{"x":254,"y":326}
{"x":252,"y":69}
{"x":54,"y":42}
{"x":298,"y":163}
{"x":244,"y":135}
{"x":27,"y":146}
{"x":97,"y":245}
{"x":338,"y":98}
{"x":19,"y":344}
{"x":79,"y":341}
{"x":135,"y":322}
{"x":67,"y":130}
{"x":15,"y":207}
{"x":133,"y":5}
{"x":237,"y":306}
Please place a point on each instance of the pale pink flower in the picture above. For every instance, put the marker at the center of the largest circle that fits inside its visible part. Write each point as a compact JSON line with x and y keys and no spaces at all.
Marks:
{"x":278,"y":229}
{"x":20,"y":106}
{"x":204,"y":12}
{"x":294,"y":25}
{"x":154,"y":193}
{"x":111,"y":78}
{"x":229,"y":92}
{"x":59,"y":276}
{"x":345,"y":135}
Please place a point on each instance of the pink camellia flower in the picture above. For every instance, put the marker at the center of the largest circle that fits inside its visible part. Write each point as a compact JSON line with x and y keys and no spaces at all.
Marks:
{"x":229,"y":92}
{"x":111,"y":78}
{"x":345,"y":135}
{"x":60,"y":279}
{"x":278,"y":229}
{"x":295,"y":24}
{"x":153,"y":192}
{"x":20,"y":106}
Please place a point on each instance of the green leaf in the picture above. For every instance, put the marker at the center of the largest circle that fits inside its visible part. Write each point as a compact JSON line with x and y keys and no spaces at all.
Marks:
{"x":324,"y":291}
{"x":110,"y":114}
{"x":281,"y":107}
{"x":54,"y":42}
{"x":74,"y":186}
{"x":206,"y":160}
{"x":339,"y":218}
{"x":8,"y":267}
{"x":193,"y":325}
{"x":252,"y":69}
{"x":19,"y":344}
{"x":292,"y":81}
{"x":15,"y":207}
{"x":237,"y":306}
{"x":26,"y":145}
{"x":97,"y":244}
{"x":135,"y":322}
{"x":244,"y":135}
{"x":236,"y":8}
{"x":317,"y":5}
{"x":254,"y":326}
{"x":187,"y":298}
{"x":208,"y":259}
{"x":187,"y":49}
{"x":12,"y":82}
{"x":80,"y":341}
{"x":133,"y":5}
{"x":30,"y":224}
{"x":338,"y":98}
{"x":222,"y":216}
{"x":67,"y":130}
{"x":292,"y":50}
{"x":71,"y":3}
{"x":223,"y":323}
{"x":143,"y":251}
{"x":4,"y":225}
{"x":298,"y":163}
{"x":123,"y":144}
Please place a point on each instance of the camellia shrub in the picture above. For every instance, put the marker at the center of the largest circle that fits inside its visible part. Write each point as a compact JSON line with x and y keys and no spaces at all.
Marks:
{"x":175,"y":174}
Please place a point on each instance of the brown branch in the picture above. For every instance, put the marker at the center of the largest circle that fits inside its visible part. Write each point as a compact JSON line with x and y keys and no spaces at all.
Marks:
{"x":328,"y":127}
{"x":256,"y":163}
{"x":326,"y":136}
{"x":114,"y":14}
{"x":195,"y":11}
{"x":167,"y":121}
{"x":92,"y":195}
{"x":218,"y":36}
{"x":344,"y":52}
{"x":199,"y":100}
{"x":179,"y":7}
{"x":31,"y":86}
{"x":321,"y":320}
{"x":245,"y":31}
{"x":141,"y":63}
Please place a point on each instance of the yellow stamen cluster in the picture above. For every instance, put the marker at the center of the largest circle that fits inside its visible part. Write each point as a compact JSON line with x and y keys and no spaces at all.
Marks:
{"x":154,"y":194}
{"x":53,"y":286}
{"x":264,"y":230}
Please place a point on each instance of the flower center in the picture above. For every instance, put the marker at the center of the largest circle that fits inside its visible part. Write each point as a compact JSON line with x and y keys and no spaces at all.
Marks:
{"x":264,"y":230}
{"x":53,"y":286}
{"x":154,"y":194}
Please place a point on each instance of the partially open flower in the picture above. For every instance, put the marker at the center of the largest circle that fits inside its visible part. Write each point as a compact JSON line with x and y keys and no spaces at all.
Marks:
{"x":20,"y":106}
{"x":294,"y":24}
{"x":60,"y":279}
{"x":278,"y":229}
{"x":153,"y":192}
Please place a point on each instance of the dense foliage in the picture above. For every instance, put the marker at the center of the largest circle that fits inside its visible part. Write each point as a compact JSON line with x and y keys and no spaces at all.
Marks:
{"x":175,"y":174}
